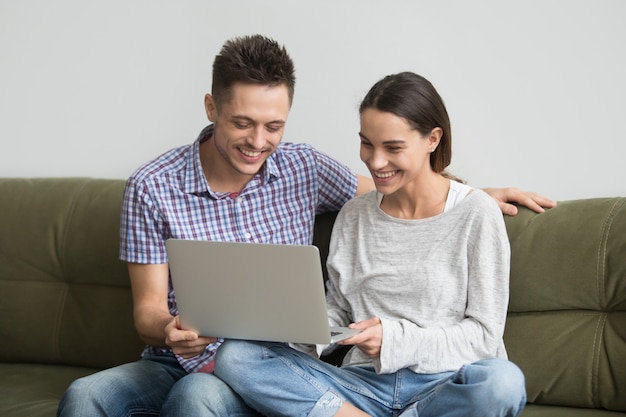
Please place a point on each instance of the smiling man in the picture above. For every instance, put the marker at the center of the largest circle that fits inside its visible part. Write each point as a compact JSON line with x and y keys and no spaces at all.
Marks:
{"x":248,"y":129}
{"x":236,"y":182}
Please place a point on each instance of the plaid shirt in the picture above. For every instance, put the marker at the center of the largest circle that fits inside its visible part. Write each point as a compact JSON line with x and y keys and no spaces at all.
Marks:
{"x":169,"y":197}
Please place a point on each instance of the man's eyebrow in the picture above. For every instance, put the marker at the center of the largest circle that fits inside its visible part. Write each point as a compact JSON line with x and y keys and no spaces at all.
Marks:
{"x":241,"y":118}
{"x":251,"y":120}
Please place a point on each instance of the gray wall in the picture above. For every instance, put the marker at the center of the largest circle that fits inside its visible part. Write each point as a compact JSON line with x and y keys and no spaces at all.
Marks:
{"x":535,"y":89}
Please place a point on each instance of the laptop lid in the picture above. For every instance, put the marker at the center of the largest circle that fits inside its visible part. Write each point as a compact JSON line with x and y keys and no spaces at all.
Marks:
{"x":250,"y":291}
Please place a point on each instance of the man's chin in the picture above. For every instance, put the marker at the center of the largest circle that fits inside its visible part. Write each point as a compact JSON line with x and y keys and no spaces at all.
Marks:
{"x":248,"y":170}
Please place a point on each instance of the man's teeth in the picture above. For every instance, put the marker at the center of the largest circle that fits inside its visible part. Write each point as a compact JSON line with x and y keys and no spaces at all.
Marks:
{"x":385,"y":174}
{"x":249,"y":153}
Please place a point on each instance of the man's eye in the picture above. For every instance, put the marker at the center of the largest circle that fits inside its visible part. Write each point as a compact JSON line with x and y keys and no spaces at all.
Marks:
{"x":273,"y":129}
{"x":241,"y":125}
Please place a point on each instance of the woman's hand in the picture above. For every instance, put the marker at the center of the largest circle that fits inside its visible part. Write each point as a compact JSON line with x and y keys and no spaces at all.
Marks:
{"x":370,"y":339}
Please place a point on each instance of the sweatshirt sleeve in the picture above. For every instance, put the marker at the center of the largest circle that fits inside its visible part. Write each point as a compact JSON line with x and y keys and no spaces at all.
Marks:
{"x":337,"y":305}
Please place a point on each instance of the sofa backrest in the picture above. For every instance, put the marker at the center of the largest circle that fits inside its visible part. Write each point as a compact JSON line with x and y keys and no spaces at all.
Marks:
{"x":64,"y":295}
{"x":566,"y":325}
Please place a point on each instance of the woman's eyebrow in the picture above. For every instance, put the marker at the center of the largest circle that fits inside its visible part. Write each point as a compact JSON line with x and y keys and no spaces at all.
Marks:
{"x":387,"y":142}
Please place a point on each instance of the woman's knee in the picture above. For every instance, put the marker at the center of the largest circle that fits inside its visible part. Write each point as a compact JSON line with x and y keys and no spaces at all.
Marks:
{"x":235,"y":356}
{"x":504,"y":382}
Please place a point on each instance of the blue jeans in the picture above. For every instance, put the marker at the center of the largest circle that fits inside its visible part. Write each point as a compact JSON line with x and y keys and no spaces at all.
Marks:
{"x":280,"y":381}
{"x":153,"y":386}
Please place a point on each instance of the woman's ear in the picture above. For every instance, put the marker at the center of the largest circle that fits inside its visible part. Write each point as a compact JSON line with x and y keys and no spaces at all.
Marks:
{"x":434,"y":138}
{"x":210,"y":107}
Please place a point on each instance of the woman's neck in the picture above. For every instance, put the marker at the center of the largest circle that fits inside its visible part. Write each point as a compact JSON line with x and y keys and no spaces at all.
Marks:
{"x":419,"y":199}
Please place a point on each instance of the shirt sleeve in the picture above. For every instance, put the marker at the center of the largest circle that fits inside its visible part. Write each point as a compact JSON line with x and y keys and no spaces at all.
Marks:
{"x":337,"y":183}
{"x":142,"y":227}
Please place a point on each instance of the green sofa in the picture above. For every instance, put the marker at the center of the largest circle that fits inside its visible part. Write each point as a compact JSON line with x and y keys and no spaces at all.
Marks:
{"x":66,"y":307}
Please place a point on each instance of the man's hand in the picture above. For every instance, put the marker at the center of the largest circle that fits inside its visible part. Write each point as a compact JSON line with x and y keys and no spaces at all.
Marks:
{"x":370,"y":339}
{"x":533,"y":201}
{"x":155,"y":325}
{"x":185,"y":343}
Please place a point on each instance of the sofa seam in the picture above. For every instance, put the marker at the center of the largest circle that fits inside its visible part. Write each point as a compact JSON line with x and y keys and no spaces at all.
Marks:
{"x":601,"y":270}
{"x":62,"y":251}
{"x":595,"y":366}
{"x":59,"y":319}
{"x":601,"y":255}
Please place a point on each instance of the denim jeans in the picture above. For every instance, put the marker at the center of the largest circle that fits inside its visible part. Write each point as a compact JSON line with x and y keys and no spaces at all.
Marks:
{"x":280,"y":381}
{"x":153,"y":386}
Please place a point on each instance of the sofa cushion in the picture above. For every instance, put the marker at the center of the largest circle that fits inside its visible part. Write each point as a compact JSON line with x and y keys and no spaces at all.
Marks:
{"x":30,"y":390}
{"x":65,"y":294}
{"x":566,"y":326}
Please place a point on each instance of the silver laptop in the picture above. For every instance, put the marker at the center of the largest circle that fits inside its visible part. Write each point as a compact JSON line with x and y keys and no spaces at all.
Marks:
{"x":251,"y":291}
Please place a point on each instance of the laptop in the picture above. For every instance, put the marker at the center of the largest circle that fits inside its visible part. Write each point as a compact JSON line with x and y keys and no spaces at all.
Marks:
{"x":252,"y":291}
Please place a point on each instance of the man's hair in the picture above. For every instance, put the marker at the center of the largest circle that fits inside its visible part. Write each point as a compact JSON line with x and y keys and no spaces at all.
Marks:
{"x":413,"y":98}
{"x":253,"y":59}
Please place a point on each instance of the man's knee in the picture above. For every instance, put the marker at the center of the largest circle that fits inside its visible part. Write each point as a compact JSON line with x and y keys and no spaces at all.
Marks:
{"x":141,"y":385}
{"x":85,"y":396}
{"x":203,"y":394}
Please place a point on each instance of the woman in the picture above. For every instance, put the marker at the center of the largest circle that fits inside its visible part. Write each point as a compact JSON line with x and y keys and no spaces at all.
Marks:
{"x":421,"y":265}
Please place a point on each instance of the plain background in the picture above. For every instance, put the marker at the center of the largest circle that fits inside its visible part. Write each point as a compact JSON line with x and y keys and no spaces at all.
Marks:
{"x":535,"y":89}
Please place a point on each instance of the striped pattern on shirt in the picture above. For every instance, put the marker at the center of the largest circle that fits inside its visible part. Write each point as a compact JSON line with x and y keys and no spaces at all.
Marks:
{"x":169,"y":197}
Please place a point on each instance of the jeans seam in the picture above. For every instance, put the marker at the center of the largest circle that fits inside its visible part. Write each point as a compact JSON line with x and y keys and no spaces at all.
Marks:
{"x":142,"y":412}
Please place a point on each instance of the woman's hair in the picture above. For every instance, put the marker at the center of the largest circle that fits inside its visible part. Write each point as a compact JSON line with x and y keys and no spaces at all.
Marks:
{"x":253,"y":59}
{"x":413,"y":98}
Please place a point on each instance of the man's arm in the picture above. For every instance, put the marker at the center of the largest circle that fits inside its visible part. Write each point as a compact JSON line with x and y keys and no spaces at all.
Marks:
{"x":503,"y":196}
{"x":153,"y":321}
{"x":364,"y":184}
{"x":533,"y":201}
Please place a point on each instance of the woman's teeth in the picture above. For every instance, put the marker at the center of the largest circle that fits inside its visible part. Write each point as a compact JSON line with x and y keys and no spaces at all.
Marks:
{"x":385,"y":174}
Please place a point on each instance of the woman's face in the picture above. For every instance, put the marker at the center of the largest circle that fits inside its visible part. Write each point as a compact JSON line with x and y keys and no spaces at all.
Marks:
{"x":394,"y":152}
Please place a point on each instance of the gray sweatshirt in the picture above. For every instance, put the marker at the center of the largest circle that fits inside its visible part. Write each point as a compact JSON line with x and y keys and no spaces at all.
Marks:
{"x":439,"y":285}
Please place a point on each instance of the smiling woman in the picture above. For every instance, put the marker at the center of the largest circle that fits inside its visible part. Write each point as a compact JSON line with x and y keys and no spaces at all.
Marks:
{"x":421,"y":267}
{"x":406,"y":143}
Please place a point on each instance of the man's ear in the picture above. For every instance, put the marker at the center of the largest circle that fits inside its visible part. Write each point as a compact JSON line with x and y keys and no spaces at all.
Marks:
{"x":210,"y":107}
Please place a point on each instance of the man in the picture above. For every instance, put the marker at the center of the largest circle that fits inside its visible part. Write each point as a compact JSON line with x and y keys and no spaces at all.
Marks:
{"x":236,"y":182}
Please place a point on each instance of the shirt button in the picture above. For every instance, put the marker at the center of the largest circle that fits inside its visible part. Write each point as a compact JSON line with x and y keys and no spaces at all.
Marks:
{"x":248,"y":236}
{"x":239,"y":200}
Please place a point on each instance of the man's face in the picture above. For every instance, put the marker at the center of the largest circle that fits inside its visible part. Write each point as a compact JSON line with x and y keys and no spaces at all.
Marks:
{"x":248,"y":127}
